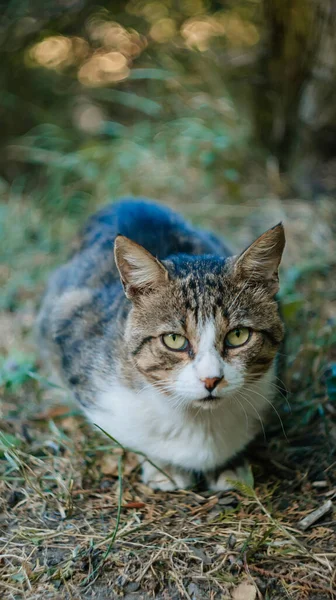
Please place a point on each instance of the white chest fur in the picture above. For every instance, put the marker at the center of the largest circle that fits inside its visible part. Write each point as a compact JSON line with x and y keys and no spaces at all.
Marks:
{"x":194,"y":440}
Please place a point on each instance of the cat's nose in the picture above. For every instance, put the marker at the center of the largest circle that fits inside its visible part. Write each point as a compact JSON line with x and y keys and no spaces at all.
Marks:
{"x":211,"y":382}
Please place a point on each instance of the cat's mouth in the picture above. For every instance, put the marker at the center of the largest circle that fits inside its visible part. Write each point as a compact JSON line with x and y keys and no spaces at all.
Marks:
{"x":208,"y":401}
{"x":208,"y":398}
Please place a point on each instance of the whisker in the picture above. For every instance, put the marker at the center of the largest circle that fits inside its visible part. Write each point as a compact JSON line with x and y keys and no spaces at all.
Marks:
{"x":236,"y":399}
{"x":149,"y":386}
{"x":277,"y":388}
{"x":179,"y":402}
{"x":281,"y":382}
{"x":256,"y":411}
{"x":162,"y":386}
{"x":271,"y":404}
{"x":282,"y":394}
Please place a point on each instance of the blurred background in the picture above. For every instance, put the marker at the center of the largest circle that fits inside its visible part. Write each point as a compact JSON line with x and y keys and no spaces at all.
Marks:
{"x":223,"y":109}
{"x":92,"y":92}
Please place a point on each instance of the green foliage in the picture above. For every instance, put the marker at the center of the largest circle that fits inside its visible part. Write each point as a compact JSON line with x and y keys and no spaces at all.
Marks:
{"x":77,"y":131}
{"x":30,"y":243}
{"x":331,"y":381}
{"x":8,"y":441}
{"x":14,"y":371}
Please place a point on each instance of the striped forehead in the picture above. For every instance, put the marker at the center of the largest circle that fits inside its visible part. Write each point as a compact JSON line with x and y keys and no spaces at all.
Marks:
{"x":204,"y":297}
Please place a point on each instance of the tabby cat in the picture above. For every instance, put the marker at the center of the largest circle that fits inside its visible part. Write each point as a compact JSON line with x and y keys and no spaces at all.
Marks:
{"x":167,"y":340}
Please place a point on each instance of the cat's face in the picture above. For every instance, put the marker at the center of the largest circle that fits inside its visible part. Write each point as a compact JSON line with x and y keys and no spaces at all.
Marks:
{"x":202,"y":329}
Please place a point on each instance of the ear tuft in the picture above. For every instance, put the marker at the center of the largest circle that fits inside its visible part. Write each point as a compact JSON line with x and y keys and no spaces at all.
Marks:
{"x":139,"y":270}
{"x":261,"y":260}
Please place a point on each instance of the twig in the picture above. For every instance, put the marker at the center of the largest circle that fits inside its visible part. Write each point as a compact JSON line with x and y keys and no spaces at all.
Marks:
{"x":314,"y":516}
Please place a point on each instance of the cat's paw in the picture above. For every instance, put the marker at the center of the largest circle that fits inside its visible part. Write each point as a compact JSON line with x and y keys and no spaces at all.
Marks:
{"x":224,"y":481}
{"x":166,"y":481}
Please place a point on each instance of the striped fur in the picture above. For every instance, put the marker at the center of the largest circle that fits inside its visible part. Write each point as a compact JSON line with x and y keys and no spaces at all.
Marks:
{"x":140,"y":272}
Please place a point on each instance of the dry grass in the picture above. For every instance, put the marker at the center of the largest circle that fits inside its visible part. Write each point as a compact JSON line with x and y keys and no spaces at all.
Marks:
{"x":77,"y":522}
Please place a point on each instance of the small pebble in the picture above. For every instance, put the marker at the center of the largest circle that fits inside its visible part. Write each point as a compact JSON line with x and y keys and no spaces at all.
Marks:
{"x":194,"y":591}
{"x":105,"y":484}
{"x":200,"y":554}
{"x":14,"y":498}
{"x":52,"y":447}
{"x":232,"y":541}
{"x":132,"y":586}
{"x":121,"y":581}
{"x":226,"y":500}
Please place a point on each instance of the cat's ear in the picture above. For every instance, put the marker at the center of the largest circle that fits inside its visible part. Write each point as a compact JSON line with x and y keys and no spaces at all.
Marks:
{"x":139,"y":270}
{"x":261,"y":260}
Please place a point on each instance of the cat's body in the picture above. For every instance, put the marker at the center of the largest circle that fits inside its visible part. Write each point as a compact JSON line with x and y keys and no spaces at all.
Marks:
{"x":190,"y":408}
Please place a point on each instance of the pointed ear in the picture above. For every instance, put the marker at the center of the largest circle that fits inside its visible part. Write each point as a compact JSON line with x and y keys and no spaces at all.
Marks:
{"x":261,"y":260}
{"x":139,"y":270}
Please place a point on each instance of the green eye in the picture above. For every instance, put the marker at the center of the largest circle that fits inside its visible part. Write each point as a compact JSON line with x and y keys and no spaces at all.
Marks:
{"x":237,"y":337}
{"x":174,"y":341}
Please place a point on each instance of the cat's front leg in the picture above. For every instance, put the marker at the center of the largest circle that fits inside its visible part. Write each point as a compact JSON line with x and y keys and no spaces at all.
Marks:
{"x":223,"y":481}
{"x":167,"y":480}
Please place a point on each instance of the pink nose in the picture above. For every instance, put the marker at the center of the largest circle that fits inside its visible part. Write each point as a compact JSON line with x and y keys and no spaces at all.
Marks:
{"x":211,"y":382}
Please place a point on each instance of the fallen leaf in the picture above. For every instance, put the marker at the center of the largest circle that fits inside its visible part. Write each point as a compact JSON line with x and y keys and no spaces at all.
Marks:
{"x":70,"y":424}
{"x":134,"y":505}
{"x":244,"y":591}
{"x":109,"y":463}
{"x":205,"y":507}
{"x":130,"y":463}
{"x":52,"y":413}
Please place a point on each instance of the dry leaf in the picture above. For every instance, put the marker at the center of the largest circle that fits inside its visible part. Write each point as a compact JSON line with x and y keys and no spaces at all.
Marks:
{"x":244,"y":591}
{"x":134,"y":505}
{"x":52,"y":412}
{"x":70,"y":425}
{"x":145,"y":490}
{"x":109,"y":463}
{"x":130,"y":463}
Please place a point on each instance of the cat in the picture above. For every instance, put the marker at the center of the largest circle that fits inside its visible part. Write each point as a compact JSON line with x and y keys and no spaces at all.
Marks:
{"x":167,"y":340}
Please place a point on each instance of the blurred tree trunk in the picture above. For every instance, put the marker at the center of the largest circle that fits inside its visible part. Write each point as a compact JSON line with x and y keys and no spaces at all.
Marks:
{"x":293,"y":30}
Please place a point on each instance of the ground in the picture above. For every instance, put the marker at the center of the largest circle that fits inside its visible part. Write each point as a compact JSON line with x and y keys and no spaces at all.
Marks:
{"x":76,"y":521}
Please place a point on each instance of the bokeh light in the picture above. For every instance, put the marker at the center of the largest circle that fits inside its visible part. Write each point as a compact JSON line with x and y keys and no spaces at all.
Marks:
{"x":151,"y":11}
{"x":198,"y":32}
{"x":238,"y":31}
{"x":113,"y":36}
{"x":103,"y":68}
{"x":163,"y":30}
{"x":88,"y":117}
{"x":52,"y":53}
{"x":58,"y":52}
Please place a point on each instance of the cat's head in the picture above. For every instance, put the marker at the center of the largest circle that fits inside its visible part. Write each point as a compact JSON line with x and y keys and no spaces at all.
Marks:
{"x":202,"y":328}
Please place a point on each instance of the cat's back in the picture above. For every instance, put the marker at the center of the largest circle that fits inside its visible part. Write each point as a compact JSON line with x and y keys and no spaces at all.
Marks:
{"x":157,"y":228}
{"x":88,"y":289}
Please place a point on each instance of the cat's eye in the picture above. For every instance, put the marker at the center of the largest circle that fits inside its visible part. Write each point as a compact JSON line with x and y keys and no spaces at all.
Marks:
{"x":237,"y":337}
{"x":174,"y":341}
